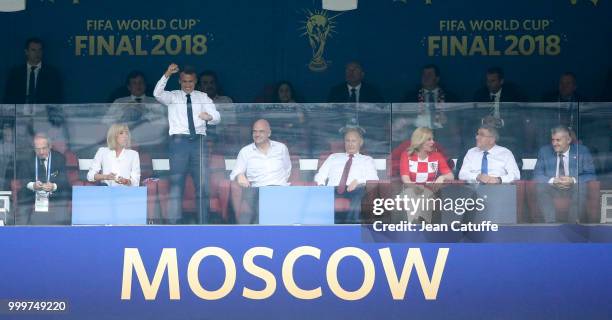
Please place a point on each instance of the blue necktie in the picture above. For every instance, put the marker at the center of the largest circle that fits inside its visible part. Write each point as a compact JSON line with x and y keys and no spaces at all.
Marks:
{"x":484,"y":166}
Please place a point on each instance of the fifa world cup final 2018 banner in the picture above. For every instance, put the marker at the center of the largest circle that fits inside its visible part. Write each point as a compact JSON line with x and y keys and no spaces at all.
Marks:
{"x":254,"y":45}
{"x":336,"y":272}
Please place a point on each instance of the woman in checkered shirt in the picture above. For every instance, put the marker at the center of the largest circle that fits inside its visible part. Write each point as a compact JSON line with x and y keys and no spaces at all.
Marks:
{"x":421,"y":163}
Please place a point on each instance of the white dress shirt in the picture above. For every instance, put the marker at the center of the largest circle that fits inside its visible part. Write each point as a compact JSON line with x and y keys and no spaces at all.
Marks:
{"x":565,"y":167}
{"x":501,"y":164}
{"x":272,"y":169}
{"x":127,"y":165}
{"x":362,"y":169}
{"x":495,"y":98}
{"x":177,"y":108}
{"x":357,"y":91}
{"x":424,"y":118}
{"x":36,"y":72}
{"x":45,"y":161}
{"x":152,"y":109}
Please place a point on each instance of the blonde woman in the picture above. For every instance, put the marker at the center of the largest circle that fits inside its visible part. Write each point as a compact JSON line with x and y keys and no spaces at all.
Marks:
{"x":116,"y":164}
{"x":421,"y":164}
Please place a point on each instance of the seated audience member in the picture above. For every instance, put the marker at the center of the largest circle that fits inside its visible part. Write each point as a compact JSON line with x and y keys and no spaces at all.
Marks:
{"x":496,"y":109}
{"x":136,"y":107}
{"x":430,"y":96}
{"x":116,"y":164}
{"x":290,"y":124}
{"x":421,"y":164}
{"x":562,"y":170}
{"x":262,"y":163}
{"x":488,"y":162}
{"x":568,"y":99}
{"x":496,"y":90}
{"x":349,"y":171}
{"x":354,"y":89}
{"x":43,"y":198}
{"x":209,"y":84}
{"x":284,"y":93}
{"x":33,"y":82}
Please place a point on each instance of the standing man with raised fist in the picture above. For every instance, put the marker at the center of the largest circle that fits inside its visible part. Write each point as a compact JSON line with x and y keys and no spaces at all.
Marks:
{"x":189,"y":112}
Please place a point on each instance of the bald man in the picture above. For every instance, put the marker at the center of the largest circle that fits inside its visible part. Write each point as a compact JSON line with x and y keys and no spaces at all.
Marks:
{"x":262,"y":163}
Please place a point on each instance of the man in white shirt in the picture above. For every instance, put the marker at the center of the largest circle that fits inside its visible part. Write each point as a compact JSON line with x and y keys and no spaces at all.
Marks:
{"x":489,"y":163}
{"x":189,"y":112}
{"x":349,"y":171}
{"x":262,"y":163}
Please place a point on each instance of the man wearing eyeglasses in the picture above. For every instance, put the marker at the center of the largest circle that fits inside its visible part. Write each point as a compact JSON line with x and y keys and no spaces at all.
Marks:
{"x":489,"y":163}
{"x":43,"y":198}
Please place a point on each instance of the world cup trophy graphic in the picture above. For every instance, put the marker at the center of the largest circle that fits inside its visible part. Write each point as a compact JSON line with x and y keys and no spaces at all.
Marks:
{"x":318,"y":29}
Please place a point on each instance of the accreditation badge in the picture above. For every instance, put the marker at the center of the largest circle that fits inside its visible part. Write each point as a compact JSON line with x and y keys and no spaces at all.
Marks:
{"x":42,"y":202}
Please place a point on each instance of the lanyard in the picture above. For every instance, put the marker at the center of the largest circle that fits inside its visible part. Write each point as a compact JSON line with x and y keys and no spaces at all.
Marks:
{"x":48,"y":167}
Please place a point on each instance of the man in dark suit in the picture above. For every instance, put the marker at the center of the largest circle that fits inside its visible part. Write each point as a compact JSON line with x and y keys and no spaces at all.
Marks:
{"x":43,"y":197}
{"x":433,"y":110}
{"x":352,"y":92}
{"x":566,"y":101}
{"x":33,"y":82}
{"x":499,"y":107}
{"x":354,"y":89}
{"x":562,"y":170}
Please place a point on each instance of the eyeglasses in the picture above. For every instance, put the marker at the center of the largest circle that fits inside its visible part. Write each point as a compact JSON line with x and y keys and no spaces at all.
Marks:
{"x":41,"y":149}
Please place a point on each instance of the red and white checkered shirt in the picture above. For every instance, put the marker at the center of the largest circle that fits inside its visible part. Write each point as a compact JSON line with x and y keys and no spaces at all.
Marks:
{"x":423,"y":170}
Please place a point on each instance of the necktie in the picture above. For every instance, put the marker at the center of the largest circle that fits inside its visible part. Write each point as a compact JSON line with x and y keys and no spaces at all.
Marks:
{"x":560,"y":166}
{"x":345,"y":173}
{"x":138,"y":100}
{"x":484,"y":166}
{"x":353,"y":95}
{"x":192,"y":131}
{"x":495,"y":108}
{"x":432,"y":108}
{"x":32,"y":83}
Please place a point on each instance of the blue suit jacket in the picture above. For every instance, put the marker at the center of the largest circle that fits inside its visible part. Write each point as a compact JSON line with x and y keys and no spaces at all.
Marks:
{"x":580,"y":164}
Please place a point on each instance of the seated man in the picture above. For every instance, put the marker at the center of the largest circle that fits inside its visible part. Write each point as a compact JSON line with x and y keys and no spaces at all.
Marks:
{"x":262,"y":163}
{"x":349,"y":171}
{"x":135,"y":108}
{"x":568,"y":101}
{"x":487,"y":162}
{"x":45,"y":191}
{"x":562,"y":169}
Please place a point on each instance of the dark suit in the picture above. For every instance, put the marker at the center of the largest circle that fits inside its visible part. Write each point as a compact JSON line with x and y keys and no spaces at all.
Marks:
{"x":48,"y":86}
{"x":580,"y":168}
{"x":351,"y":115}
{"x":450,"y":135}
{"x":367,"y":93}
{"x":516,"y":116}
{"x":565,"y":111}
{"x":58,"y":200}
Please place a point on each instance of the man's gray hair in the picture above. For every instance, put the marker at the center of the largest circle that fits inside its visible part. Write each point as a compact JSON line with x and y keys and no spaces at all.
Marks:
{"x":42,"y":135}
{"x":559,"y":129}
{"x":492,"y":130}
